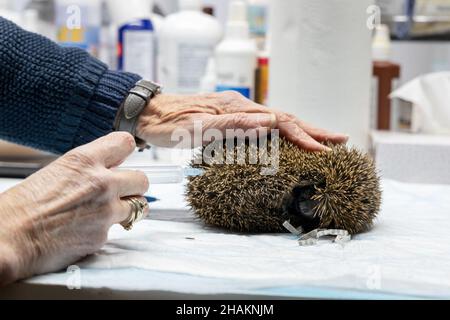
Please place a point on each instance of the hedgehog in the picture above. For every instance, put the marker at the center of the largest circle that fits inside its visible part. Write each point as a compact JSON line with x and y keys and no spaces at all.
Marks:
{"x":338,"y":189}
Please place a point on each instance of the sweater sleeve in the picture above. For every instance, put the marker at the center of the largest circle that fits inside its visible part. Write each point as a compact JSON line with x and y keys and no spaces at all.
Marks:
{"x":54,"y":98}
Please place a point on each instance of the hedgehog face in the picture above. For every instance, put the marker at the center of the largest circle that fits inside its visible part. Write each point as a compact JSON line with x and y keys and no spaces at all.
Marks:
{"x":337,"y":189}
{"x":300,"y":207}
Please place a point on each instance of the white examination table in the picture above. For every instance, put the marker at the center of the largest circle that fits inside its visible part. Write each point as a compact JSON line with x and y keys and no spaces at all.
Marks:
{"x":406,"y":255}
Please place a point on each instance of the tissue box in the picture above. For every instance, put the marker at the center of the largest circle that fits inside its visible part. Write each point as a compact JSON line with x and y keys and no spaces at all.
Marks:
{"x":412,"y":158}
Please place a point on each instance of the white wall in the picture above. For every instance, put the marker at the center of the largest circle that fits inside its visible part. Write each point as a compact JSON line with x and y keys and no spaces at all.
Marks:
{"x":420,"y":57}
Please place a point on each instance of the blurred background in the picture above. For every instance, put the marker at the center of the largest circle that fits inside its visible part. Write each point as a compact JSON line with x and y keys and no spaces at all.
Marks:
{"x":378,"y":70}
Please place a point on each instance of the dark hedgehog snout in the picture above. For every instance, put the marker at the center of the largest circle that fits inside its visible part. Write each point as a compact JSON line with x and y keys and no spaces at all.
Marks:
{"x":301,"y":206}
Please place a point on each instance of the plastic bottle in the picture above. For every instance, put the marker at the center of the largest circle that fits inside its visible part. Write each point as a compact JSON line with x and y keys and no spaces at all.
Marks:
{"x":135,"y":36}
{"x":262,"y":79}
{"x":78,"y":24}
{"x":381,"y":44}
{"x":187,"y":40}
{"x":258,"y":20}
{"x":236,"y":55}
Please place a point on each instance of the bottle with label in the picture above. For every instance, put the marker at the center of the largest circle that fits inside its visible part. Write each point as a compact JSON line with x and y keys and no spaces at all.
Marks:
{"x":236,"y":55}
{"x":187,"y":40}
{"x":136,"y":37}
{"x":258,"y":15}
{"x":136,"y":48}
{"x":262,"y":79}
{"x":78,"y":24}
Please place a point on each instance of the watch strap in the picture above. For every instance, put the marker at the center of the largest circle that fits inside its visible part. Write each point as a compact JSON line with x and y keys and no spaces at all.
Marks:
{"x":135,"y":102}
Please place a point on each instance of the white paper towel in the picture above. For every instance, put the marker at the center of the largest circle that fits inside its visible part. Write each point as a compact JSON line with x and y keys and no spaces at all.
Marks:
{"x":430,"y":97}
{"x":321,"y":63}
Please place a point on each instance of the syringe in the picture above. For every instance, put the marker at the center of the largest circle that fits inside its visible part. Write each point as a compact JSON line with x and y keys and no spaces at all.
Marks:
{"x":166,"y":174}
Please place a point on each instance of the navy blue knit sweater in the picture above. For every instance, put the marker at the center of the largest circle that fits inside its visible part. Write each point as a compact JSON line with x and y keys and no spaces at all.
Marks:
{"x":54,"y":98}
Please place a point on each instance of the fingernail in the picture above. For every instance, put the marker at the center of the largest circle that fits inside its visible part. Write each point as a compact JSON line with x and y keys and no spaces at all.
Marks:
{"x":328,"y":149}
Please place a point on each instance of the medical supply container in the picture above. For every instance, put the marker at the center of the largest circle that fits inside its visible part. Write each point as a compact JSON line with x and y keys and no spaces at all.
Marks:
{"x":78,"y":24}
{"x":136,"y":42}
{"x":236,"y":55}
{"x":187,"y":40}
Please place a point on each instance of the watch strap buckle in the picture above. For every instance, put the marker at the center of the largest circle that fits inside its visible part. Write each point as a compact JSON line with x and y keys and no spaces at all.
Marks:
{"x":135,"y":102}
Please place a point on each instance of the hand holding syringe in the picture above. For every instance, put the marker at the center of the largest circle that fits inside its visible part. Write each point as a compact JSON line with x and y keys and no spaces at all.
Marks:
{"x":165,"y":174}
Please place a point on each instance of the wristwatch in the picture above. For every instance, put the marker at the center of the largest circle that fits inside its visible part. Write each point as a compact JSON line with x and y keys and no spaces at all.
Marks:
{"x":135,"y":102}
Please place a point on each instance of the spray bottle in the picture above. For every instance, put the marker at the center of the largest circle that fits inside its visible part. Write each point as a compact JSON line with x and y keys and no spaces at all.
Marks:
{"x":236,"y":55}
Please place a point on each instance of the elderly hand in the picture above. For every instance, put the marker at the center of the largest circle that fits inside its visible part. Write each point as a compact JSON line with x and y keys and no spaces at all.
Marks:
{"x":63,"y":212}
{"x":226,"y":110}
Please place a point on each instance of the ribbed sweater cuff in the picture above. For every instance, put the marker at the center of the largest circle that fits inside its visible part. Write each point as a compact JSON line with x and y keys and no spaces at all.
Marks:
{"x":98,"y":96}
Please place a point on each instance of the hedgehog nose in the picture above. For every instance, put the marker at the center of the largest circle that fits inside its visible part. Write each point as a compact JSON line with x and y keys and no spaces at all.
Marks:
{"x":305,"y":208}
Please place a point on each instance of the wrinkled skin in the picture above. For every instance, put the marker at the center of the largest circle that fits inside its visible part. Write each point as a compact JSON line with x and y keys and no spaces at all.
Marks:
{"x":63,"y":212}
{"x":226,"y":110}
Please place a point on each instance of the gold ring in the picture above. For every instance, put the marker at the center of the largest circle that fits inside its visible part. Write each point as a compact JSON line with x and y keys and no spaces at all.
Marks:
{"x":137,"y":213}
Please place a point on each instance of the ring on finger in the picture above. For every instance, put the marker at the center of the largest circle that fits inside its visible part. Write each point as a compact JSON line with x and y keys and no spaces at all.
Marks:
{"x":137,"y":212}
